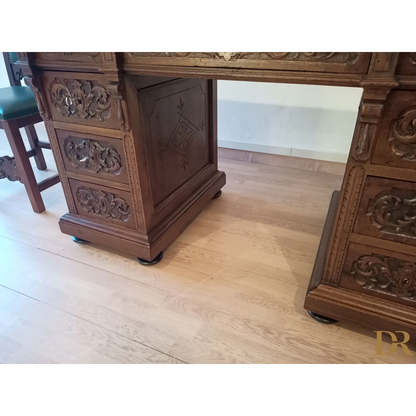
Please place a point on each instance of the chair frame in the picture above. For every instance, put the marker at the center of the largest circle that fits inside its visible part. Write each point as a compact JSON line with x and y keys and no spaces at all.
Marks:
{"x":18,"y":167}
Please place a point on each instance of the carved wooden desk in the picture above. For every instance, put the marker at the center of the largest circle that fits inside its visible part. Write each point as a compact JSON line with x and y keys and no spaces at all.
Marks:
{"x":134,"y":138}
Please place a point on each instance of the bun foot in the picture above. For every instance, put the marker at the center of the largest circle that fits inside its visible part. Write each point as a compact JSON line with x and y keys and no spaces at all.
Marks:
{"x":152,"y":262}
{"x":217,"y":195}
{"x":322,"y":319}
{"x":79,"y":240}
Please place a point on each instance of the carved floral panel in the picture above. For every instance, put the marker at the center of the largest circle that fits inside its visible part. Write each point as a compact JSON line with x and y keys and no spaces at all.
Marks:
{"x":403,"y":135}
{"x":386,"y":275}
{"x":104,"y":204}
{"x":81,"y":99}
{"x":394,"y":212}
{"x":335,"y":57}
{"x":348,"y":56}
{"x":92,"y":155}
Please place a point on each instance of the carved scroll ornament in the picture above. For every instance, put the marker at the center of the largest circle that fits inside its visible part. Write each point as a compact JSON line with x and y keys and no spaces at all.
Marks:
{"x":91,"y":155}
{"x":103,"y":204}
{"x":386,"y":275}
{"x":82,"y":99}
{"x":336,"y":57}
{"x":394,"y":212}
{"x":403,"y":142}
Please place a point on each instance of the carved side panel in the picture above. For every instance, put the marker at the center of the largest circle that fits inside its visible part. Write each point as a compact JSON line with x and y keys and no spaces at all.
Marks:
{"x":175,"y":118}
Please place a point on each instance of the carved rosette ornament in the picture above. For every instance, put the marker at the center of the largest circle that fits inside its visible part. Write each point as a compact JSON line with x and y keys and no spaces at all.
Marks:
{"x":103,"y":204}
{"x":91,"y":155}
{"x":386,"y":275}
{"x":403,"y":140}
{"x":394,"y":212}
{"x":82,"y":99}
{"x":335,"y":57}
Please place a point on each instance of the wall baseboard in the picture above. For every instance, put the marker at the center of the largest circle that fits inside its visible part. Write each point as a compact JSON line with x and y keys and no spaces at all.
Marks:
{"x":313,"y":165}
{"x":284,"y":151}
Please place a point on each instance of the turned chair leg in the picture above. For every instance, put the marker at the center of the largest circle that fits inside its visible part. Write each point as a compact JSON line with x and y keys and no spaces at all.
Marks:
{"x":34,"y":144}
{"x":23,"y":165}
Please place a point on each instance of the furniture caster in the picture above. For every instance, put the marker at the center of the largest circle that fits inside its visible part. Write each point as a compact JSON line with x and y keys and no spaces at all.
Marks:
{"x":152,"y":262}
{"x":217,"y":195}
{"x":322,"y":319}
{"x":79,"y":240}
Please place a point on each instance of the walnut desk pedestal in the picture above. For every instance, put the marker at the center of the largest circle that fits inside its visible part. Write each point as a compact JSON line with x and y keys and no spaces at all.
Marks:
{"x":134,"y":138}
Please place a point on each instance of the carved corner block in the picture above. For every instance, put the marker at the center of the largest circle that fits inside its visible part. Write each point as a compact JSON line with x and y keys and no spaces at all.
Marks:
{"x":116,"y":91}
{"x":369,"y":119}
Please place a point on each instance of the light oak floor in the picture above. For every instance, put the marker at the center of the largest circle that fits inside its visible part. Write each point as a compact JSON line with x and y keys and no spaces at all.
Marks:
{"x":229,"y":290}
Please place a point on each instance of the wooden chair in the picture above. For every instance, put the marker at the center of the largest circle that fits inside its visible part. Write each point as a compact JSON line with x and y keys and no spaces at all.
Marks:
{"x":18,"y":109}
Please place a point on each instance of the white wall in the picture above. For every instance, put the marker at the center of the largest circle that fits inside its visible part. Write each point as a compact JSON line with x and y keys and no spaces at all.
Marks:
{"x":299,"y":120}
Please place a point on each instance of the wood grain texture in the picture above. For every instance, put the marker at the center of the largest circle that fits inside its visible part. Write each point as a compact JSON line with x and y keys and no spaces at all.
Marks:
{"x":230,"y":290}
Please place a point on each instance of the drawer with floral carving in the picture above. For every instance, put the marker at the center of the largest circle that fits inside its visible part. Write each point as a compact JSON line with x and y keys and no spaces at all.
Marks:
{"x":337,"y":62}
{"x":406,"y":64}
{"x":77,"y":60}
{"x":81,"y":99}
{"x":387,"y":210}
{"x":381,"y":273}
{"x":103,"y":203}
{"x":91,"y":155}
{"x":396,"y":140}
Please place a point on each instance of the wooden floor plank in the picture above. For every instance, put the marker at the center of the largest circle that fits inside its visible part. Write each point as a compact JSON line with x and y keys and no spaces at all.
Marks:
{"x":229,"y":290}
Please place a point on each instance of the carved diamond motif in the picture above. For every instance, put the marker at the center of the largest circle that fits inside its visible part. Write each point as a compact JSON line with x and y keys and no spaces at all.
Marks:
{"x":182,"y":136}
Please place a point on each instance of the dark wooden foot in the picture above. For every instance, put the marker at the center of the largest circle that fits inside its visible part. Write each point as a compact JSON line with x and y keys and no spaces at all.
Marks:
{"x":79,"y":240}
{"x":322,"y":319}
{"x":217,"y":195}
{"x":152,"y":262}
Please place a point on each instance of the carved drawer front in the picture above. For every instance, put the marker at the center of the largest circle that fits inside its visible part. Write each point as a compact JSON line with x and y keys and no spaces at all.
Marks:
{"x":98,"y":156}
{"x":388,"y":210}
{"x":103,"y":203}
{"x":72,"y":59}
{"x":406,"y":64}
{"x":342,"y":62}
{"x":80,"y":98}
{"x":381,"y":273}
{"x":396,"y":140}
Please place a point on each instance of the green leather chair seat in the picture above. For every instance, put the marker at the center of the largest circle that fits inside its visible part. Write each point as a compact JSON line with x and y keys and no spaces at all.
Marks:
{"x":16,"y":102}
{"x":13,"y":55}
